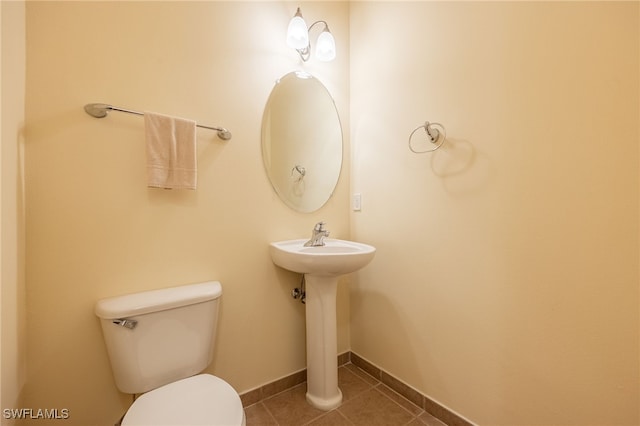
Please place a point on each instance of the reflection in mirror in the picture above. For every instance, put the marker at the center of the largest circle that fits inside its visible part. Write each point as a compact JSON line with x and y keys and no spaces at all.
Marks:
{"x":302,"y":141}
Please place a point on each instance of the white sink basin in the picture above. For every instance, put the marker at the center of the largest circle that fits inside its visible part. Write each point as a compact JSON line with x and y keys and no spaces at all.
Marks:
{"x":336,"y":257}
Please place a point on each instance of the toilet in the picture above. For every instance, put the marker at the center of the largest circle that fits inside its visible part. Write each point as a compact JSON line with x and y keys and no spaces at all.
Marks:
{"x":159,"y":342}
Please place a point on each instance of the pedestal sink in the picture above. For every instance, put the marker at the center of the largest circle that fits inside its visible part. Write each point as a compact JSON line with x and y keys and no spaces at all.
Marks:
{"x":321,"y":267}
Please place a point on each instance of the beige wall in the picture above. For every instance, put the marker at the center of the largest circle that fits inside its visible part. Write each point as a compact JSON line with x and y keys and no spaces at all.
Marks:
{"x":12,"y":292}
{"x":95,"y":230}
{"x":506,"y":280}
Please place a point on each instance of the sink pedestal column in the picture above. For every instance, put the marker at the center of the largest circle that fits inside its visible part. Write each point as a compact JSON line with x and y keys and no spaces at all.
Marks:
{"x":322,"y":346}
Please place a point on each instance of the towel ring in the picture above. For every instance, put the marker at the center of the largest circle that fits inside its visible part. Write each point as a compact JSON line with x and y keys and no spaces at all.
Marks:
{"x":436,"y":137}
{"x":301,"y":172}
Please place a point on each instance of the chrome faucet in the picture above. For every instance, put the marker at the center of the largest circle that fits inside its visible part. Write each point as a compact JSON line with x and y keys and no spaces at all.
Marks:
{"x":317,"y":236}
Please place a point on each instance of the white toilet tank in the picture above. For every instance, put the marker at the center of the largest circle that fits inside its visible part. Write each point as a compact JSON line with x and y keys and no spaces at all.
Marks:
{"x":160,"y":336}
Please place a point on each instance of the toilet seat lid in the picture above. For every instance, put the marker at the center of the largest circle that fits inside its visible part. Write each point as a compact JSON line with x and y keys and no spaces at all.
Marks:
{"x":199,"y":400}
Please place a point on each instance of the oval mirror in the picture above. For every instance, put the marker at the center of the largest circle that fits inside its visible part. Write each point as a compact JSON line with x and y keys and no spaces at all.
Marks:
{"x":302,"y":141}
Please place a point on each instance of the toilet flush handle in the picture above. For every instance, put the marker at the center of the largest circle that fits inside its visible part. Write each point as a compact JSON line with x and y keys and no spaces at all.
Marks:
{"x":126,"y":322}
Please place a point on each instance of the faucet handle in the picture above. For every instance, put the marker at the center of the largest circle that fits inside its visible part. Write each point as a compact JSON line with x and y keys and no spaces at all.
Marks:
{"x":317,"y":236}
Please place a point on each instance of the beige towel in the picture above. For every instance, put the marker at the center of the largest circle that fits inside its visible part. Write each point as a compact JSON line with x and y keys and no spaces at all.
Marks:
{"x":171,"y":152}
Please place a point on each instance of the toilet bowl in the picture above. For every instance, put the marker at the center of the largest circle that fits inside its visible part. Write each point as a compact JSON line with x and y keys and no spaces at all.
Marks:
{"x":199,"y":400}
{"x":159,"y":342}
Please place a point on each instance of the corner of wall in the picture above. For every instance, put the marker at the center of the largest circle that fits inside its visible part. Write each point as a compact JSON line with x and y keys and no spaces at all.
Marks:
{"x":12,"y":290}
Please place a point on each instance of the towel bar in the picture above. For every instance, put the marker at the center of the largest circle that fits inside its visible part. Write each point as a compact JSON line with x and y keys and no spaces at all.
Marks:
{"x":102,"y":110}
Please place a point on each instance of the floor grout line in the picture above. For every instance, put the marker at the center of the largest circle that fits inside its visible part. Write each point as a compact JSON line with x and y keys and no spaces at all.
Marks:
{"x":269,"y":412}
{"x":413,"y":416}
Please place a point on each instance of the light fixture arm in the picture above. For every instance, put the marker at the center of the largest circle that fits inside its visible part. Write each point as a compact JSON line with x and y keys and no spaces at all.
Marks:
{"x":305,"y":53}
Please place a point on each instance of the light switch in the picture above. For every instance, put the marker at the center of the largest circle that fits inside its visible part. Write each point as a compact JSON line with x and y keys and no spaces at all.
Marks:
{"x":357,"y":202}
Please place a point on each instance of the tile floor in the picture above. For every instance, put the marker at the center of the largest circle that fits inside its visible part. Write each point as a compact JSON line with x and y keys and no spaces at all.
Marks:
{"x":366,"y":402}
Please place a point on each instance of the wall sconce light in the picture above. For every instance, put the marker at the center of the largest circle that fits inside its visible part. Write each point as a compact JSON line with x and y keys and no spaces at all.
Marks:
{"x":298,"y":38}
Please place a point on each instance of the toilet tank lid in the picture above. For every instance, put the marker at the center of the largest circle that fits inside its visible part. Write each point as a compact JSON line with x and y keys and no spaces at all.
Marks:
{"x":157,"y":300}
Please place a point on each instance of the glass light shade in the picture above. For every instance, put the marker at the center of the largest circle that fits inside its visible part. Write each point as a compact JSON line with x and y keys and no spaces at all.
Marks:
{"x":297,"y":33}
{"x":326,"y":47}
